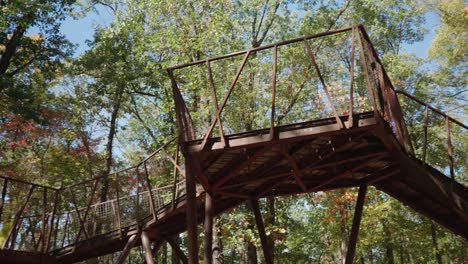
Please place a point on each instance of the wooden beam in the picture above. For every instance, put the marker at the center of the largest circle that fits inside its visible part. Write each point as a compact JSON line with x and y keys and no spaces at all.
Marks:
{"x":341,"y":175}
{"x":130,"y":243}
{"x":261,"y":231}
{"x":145,"y":241}
{"x":199,"y":174}
{"x":296,"y":171}
{"x":208,"y":228}
{"x":234,"y":171}
{"x":356,"y":223}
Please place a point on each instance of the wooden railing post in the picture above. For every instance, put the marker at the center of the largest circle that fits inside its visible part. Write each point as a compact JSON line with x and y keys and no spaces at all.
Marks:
{"x":426,"y":116}
{"x":324,"y":85}
{"x":150,"y":191}
{"x":2,"y":202}
{"x":174,"y":173}
{"x":117,"y":193}
{"x":12,"y":233}
{"x":43,"y":219}
{"x":351,"y":86}
{"x":137,"y":195}
{"x":215,"y":101}
{"x":226,"y":98}
{"x":51,"y":227}
{"x":273,"y":91}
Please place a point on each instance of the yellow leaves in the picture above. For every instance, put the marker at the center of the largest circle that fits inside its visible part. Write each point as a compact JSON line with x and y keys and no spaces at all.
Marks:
{"x":35,"y":37}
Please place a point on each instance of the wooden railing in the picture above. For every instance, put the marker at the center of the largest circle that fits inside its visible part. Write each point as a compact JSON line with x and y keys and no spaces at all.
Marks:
{"x":339,"y":80}
{"x":42,"y":219}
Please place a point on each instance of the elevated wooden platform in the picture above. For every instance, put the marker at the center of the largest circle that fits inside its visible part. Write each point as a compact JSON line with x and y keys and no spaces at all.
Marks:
{"x":320,"y":157}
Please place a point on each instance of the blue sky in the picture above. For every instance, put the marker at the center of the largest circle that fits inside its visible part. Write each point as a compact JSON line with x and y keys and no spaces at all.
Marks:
{"x":80,"y":30}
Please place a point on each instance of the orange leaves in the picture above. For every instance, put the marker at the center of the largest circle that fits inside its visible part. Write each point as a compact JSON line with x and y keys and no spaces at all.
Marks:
{"x":339,"y":204}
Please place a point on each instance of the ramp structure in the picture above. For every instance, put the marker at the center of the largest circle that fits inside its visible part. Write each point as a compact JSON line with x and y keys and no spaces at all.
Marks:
{"x":310,"y":114}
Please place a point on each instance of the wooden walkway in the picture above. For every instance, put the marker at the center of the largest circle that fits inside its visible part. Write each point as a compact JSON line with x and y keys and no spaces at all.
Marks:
{"x":215,"y":173}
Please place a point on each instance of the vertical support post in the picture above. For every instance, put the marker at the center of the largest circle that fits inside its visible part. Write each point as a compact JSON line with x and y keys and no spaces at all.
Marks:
{"x":17,"y":217}
{"x":215,"y":101}
{"x":192,"y":236}
{"x":273,"y":91}
{"x":226,"y":97}
{"x":65,"y":229}
{"x":117,"y":193}
{"x":356,"y":223}
{"x":130,"y":243}
{"x":449,"y":148}
{"x":2,"y":203}
{"x":366,"y":73}
{"x":208,"y":228}
{"x":351,"y":87}
{"x":145,"y":241}
{"x":174,"y":186}
{"x":150,"y":191}
{"x":424,"y":150}
{"x":261,"y":231}
{"x":322,"y":80}
{"x":137,"y":195}
{"x":54,"y":211}
{"x":43,"y":219}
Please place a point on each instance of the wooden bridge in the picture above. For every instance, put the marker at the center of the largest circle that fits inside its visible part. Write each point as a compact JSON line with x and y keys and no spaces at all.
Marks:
{"x":310,"y":114}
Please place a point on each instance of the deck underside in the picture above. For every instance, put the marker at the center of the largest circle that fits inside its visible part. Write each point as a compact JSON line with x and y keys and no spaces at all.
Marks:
{"x":302,"y":158}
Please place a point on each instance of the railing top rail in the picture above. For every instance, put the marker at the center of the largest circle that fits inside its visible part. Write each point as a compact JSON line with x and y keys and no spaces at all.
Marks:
{"x":29,"y":183}
{"x":432,"y":108}
{"x":122,"y":170}
{"x":94,"y":178}
{"x":277,"y":44}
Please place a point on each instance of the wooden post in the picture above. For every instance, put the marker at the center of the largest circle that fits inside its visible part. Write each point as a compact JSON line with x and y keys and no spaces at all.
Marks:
{"x":145,"y":241}
{"x":18,"y":215}
{"x":261,"y":231}
{"x":54,"y":211}
{"x":192,"y":235}
{"x":208,"y":228}
{"x":2,"y":202}
{"x":356,"y":223}
{"x":130,"y":243}
{"x":43,"y":219}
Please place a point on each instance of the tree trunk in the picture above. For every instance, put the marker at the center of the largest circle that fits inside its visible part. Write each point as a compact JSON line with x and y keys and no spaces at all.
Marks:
{"x":175,"y":258}
{"x":388,"y":242}
{"x":164,"y":254}
{"x":110,"y":140}
{"x":271,"y":222}
{"x":343,"y":232}
{"x":251,"y":253}
{"x":218,"y":257}
{"x":251,"y":250}
{"x":435,"y":243}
